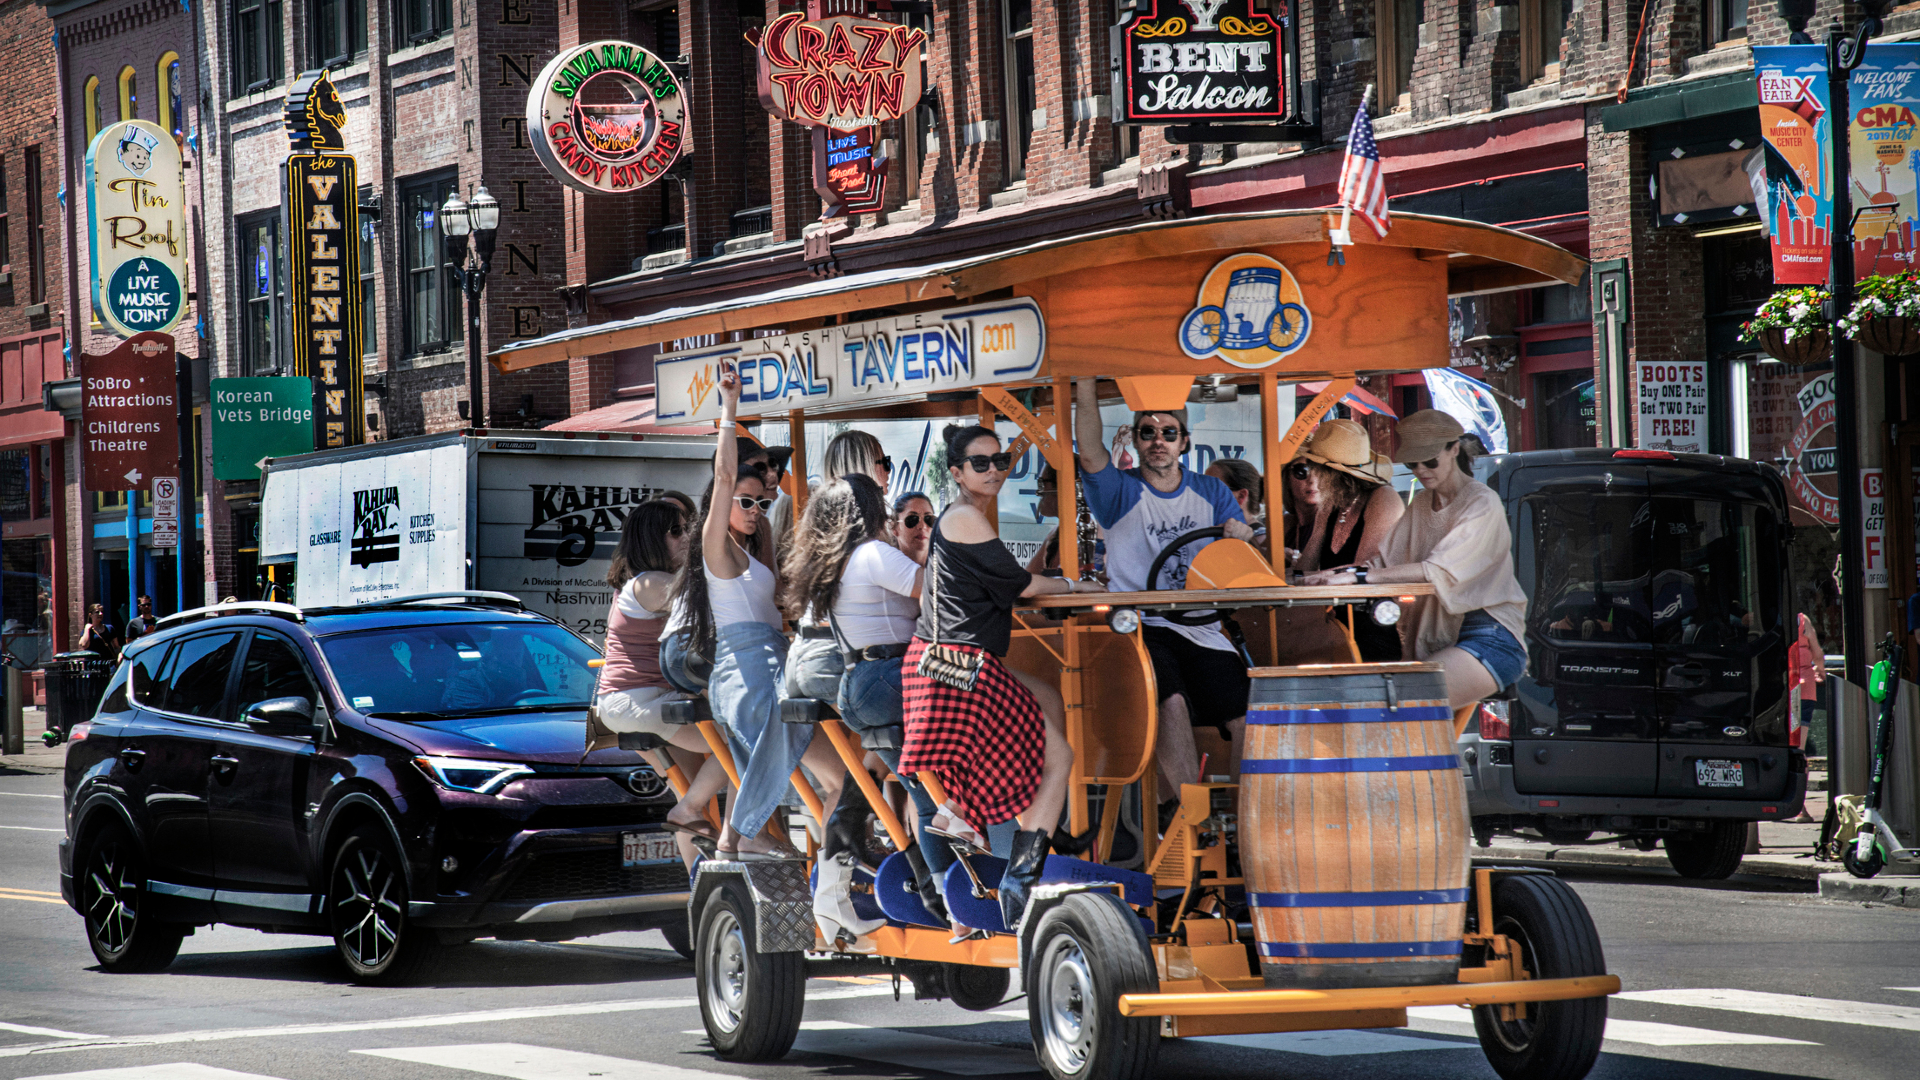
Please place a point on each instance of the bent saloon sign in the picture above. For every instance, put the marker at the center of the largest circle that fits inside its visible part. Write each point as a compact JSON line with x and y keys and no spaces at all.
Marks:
{"x":606,"y":117}
{"x":1200,"y":60}
{"x":137,"y":228}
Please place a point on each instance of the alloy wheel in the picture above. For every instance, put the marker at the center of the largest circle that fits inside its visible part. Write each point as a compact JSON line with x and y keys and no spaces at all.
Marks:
{"x":113,"y":897}
{"x":364,"y":907}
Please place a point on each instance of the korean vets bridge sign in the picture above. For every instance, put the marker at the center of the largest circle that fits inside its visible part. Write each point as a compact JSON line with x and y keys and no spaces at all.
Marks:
{"x":137,"y":228}
{"x":906,"y":356}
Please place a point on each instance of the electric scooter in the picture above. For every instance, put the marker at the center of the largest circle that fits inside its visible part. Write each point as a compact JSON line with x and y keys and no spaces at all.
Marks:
{"x":1876,"y":845}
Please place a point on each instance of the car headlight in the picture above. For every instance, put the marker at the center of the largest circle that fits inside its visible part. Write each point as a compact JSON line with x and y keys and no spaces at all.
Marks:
{"x":467,"y":774}
{"x":1124,"y":620}
{"x":1386,"y":612}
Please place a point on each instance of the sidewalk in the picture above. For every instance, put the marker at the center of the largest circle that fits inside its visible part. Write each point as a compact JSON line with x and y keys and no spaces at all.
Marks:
{"x":38,"y":757}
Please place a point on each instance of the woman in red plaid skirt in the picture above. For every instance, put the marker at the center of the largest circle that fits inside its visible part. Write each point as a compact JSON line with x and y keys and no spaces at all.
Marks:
{"x":1000,"y":748}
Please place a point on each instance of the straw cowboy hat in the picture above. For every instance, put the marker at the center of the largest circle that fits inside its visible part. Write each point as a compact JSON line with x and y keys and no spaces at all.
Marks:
{"x":1343,"y":446}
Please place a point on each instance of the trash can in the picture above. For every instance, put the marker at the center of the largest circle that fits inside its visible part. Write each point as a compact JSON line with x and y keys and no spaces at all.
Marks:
{"x":75,"y":683}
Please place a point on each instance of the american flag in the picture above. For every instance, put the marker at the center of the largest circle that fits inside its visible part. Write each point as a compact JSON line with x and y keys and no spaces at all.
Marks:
{"x":1361,"y":185}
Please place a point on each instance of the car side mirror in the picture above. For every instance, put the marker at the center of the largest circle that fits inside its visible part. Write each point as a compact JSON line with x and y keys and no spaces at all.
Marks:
{"x":281,"y":716}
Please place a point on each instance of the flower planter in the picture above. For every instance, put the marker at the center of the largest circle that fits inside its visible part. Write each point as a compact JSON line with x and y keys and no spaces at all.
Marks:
{"x":1890,"y":335}
{"x":1808,"y":348}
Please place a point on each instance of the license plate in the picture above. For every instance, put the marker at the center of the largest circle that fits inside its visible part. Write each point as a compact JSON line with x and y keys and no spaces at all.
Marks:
{"x":1719,"y":772}
{"x":646,"y":847}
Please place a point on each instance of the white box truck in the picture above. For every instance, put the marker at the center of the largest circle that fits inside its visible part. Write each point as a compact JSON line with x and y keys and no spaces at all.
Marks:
{"x":529,"y":513}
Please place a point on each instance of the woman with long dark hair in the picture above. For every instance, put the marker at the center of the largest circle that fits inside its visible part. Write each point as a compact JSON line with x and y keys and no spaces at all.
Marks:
{"x":653,"y":545}
{"x":994,"y":737}
{"x":1353,"y":511}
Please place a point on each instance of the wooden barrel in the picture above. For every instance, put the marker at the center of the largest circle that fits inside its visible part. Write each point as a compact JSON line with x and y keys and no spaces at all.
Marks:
{"x":1353,"y":826}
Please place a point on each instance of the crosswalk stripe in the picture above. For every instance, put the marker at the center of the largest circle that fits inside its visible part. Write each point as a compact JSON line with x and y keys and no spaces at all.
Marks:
{"x":1336,"y":1043}
{"x":520,"y":1061}
{"x":1914,"y":989}
{"x":1787,"y":1006}
{"x":51,"y":1033}
{"x":913,"y":1050}
{"x":31,"y":795}
{"x":179,"y":1070}
{"x":30,"y":828}
{"x":1453,"y":1019}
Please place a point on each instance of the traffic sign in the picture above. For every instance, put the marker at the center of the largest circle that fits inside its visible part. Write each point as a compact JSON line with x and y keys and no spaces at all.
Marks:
{"x":166,"y":511}
{"x":130,"y":414}
{"x":259,"y":418}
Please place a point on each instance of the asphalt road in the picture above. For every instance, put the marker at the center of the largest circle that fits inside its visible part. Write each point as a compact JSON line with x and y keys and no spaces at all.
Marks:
{"x":1740,"y":980}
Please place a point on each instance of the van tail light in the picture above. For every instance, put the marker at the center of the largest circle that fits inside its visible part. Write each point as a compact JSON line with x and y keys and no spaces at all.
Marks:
{"x":1493,"y":720}
{"x":1646,"y":455}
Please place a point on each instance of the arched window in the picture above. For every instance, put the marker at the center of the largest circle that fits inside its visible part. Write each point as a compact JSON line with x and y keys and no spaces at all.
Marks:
{"x":90,"y":101}
{"x":166,"y":93}
{"x":129,"y":95}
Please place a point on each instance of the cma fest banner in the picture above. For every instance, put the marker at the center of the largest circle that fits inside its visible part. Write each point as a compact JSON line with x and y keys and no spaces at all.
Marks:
{"x":137,"y":228}
{"x":842,"y":74}
{"x":1200,"y":60}
{"x":320,"y":197}
{"x":1797,"y":125}
{"x":906,"y":356}
{"x":606,"y":117}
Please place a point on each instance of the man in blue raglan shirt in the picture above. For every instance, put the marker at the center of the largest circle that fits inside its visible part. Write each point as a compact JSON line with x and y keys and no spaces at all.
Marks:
{"x":1202,"y":677}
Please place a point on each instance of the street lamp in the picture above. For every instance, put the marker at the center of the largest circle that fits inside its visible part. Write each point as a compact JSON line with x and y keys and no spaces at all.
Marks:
{"x":481,"y":221}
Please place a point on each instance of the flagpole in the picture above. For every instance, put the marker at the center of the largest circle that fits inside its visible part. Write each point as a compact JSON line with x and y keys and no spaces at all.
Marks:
{"x":1346,"y":204}
{"x":1341,"y":237}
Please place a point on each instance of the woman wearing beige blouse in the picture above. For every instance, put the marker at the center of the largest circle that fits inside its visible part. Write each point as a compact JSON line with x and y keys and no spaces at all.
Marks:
{"x":1455,"y":537}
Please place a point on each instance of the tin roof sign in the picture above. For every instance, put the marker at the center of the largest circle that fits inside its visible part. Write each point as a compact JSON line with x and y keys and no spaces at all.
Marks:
{"x":841,"y":72}
{"x":137,"y":228}
{"x":606,"y":117}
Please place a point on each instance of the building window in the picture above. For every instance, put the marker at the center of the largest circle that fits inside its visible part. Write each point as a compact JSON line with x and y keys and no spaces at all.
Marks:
{"x":369,"y":264}
{"x":90,"y":101}
{"x":339,"y":31}
{"x":6,"y":224}
{"x":36,"y":231}
{"x":421,"y":20}
{"x":1016,"y":22}
{"x":256,"y":45}
{"x":166,"y":92}
{"x":259,"y":256}
{"x":1543,"y":23}
{"x":431,"y":295}
{"x":1395,"y":43}
{"x":129,"y":95}
{"x":1726,"y":20}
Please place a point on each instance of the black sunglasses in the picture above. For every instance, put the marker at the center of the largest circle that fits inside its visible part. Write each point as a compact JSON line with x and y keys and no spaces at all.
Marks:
{"x":748,"y":502}
{"x":678,"y":529}
{"x":1299,"y":471}
{"x":1434,"y":463}
{"x":1165,"y":434}
{"x":912,"y":521}
{"x":1000,"y":462}
{"x":886,"y":462}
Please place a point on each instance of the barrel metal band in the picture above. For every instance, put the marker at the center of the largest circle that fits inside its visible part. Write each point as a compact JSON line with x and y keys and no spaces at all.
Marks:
{"x":1356,"y":899}
{"x":1364,"y":950}
{"x":1336,"y":715}
{"x":1422,"y":763}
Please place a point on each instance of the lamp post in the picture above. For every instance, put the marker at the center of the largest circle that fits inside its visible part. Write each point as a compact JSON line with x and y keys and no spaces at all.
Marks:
{"x":481,"y":221}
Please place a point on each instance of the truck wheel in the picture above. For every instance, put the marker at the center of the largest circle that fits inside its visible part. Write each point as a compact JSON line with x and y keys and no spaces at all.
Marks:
{"x":977,"y":989}
{"x":1712,"y":855}
{"x":1087,"y":952}
{"x":679,"y":938}
{"x":1557,"y":1040}
{"x":750,"y":1001}
{"x":367,"y":912}
{"x":111,"y":889}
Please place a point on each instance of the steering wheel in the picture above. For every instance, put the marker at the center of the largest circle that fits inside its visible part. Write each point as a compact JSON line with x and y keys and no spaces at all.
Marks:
{"x":1185,"y":618}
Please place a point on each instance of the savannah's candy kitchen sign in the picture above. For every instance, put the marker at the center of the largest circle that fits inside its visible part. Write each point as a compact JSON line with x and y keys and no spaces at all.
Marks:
{"x":137,"y":228}
{"x":606,"y":117}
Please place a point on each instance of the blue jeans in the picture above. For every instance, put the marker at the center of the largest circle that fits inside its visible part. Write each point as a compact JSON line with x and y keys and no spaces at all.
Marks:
{"x":1494,"y":646}
{"x":749,"y":672}
{"x":684,"y":671}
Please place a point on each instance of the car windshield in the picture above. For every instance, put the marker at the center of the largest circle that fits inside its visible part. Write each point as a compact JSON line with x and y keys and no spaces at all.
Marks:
{"x":461,"y":669}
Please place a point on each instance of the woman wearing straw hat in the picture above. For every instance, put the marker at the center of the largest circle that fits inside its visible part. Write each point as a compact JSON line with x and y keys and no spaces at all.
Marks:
{"x":1352,"y":513}
{"x":1454,"y":536}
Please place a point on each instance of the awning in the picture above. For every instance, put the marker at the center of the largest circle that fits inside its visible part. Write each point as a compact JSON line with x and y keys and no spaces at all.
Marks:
{"x":634,"y":416}
{"x":1356,"y":399}
{"x":1478,"y":258}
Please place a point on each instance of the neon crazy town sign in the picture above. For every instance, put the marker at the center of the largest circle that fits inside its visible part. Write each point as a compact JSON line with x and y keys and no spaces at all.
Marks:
{"x":860,"y":363}
{"x":842,"y":72}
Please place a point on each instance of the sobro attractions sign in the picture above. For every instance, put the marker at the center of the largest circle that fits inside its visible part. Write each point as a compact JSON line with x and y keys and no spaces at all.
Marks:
{"x":137,"y":228}
{"x":606,"y":117}
{"x":859,"y":363}
{"x":1200,"y":60}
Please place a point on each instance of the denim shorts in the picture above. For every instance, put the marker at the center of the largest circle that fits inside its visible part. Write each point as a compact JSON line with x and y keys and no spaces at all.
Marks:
{"x":686,"y":672}
{"x":1494,"y":646}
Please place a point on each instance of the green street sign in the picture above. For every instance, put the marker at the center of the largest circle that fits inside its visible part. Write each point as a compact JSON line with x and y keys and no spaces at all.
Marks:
{"x":259,"y":418}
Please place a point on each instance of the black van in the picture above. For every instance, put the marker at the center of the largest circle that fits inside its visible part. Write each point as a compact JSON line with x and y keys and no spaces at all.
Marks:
{"x":1654,"y":705}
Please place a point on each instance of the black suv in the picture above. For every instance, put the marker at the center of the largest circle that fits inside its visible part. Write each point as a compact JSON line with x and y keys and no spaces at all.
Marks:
{"x":1654,"y":704}
{"x":400,"y":776}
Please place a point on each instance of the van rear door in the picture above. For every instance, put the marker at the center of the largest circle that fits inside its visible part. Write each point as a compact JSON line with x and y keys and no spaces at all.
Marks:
{"x":1585,"y":719}
{"x":1720,"y":652}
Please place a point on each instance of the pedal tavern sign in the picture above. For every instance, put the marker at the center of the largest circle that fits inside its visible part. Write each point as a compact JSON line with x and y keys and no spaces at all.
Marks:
{"x":137,"y":228}
{"x":606,"y":117}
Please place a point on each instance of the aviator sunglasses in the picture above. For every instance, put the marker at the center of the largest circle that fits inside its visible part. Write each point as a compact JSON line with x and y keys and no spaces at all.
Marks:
{"x":748,"y":502}
{"x":913,"y":520}
{"x":1165,"y":434}
{"x":1433,"y":463}
{"x":1000,"y":462}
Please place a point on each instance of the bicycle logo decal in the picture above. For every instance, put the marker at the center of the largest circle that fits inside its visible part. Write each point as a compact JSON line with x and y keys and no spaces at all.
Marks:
{"x":1250,"y":313}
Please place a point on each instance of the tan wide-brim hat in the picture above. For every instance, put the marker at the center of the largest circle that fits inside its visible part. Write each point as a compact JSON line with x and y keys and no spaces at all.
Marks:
{"x":1343,"y":446}
{"x":1424,"y":436}
{"x":1383,"y":468}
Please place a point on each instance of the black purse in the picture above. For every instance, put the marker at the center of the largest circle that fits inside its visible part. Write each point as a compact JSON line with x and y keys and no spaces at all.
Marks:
{"x":945,"y":664}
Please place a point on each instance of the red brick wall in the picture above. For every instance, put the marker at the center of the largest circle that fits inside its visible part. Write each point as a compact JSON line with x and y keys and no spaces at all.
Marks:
{"x":28,"y":121}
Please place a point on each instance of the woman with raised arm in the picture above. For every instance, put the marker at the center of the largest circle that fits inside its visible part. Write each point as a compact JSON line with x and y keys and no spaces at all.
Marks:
{"x":995,"y":738}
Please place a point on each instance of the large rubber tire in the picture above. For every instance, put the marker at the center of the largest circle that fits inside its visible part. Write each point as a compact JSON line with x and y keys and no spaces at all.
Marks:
{"x":679,"y":938}
{"x":1087,"y":951}
{"x":977,"y":989}
{"x":750,"y":1001}
{"x":111,"y":888}
{"x":1558,"y":1040}
{"x":367,"y":914}
{"x":1710,"y":856}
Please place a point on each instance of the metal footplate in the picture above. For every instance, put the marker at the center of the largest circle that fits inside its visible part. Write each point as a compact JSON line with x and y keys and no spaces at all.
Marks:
{"x":782,"y":900}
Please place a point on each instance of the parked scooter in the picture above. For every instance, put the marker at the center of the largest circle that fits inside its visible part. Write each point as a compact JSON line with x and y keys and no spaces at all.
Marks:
{"x":1876,"y":845}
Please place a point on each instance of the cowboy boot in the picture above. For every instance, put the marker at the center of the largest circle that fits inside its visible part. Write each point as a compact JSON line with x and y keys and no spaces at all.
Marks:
{"x":1030,"y":848}
{"x":846,"y":831}
{"x":923,"y":884}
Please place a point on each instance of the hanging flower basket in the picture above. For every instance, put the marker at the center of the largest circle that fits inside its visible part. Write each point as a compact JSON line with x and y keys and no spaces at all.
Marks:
{"x":1891,"y":336}
{"x":1791,"y":328}
{"x":1886,"y":314}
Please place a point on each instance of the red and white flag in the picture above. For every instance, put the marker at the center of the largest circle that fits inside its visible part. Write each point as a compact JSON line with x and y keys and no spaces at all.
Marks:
{"x":1362,"y":187}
